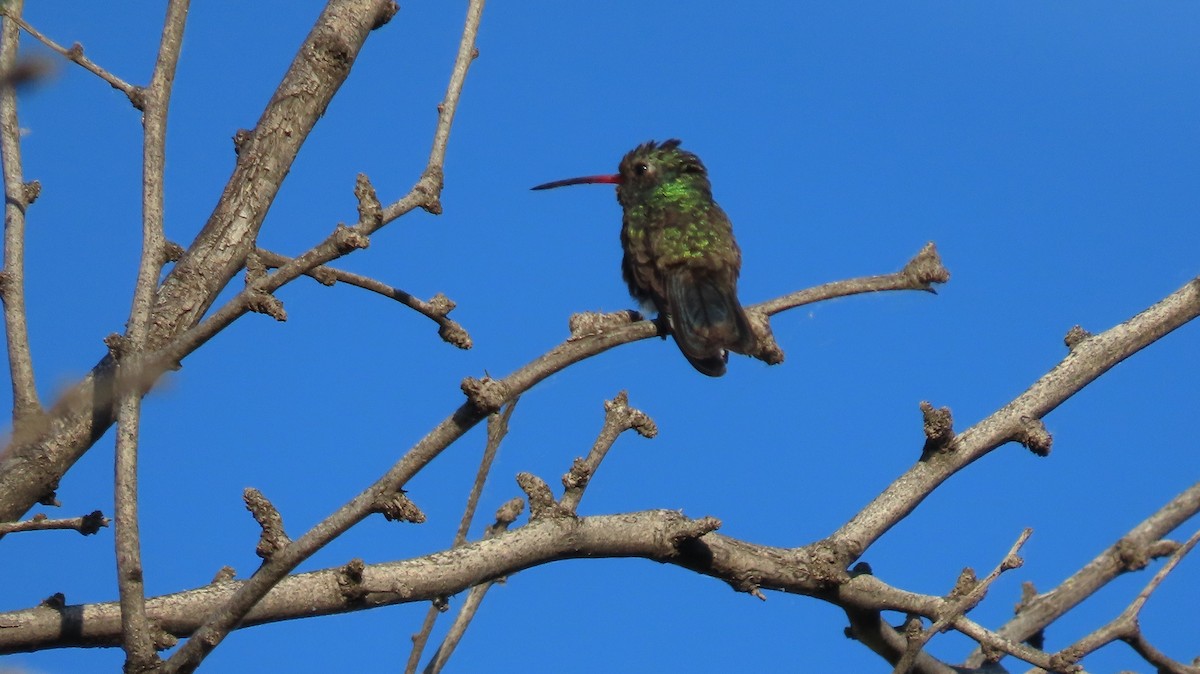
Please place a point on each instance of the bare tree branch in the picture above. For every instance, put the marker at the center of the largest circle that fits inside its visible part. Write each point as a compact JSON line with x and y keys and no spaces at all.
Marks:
{"x":140,"y":648}
{"x":1132,"y":552}
{"x":652,"y":534}
{"x":483,"y":397}
{"x":505,"y":516}
{"x":618,"y":418}
{"x":425,"y":193}
{"x":18,"y":195}
{"x":86,"y":524}
{"x":75,"y":55}
{"x":1089,"y":359}
{"x":967,"y":594}
{"x":32,"y":463}
{"x":497,"y":428}
{"x":436,"y":309}
{"x":1125,"y":626}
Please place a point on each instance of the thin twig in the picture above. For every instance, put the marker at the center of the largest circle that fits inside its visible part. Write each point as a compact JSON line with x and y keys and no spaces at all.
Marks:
{"x":86,"y":524}
{"x":1125,"y":626}
{"x":959,"y":606}
{"x":17,"y":197}
{"x":618,"y":418}
{"x":139,"y":642}
{"x":505,"y":516}
{"x":75,"y":55}
{"x":437,"y":309}
{"x":497,"y":428}
{"x":1127,"y":554}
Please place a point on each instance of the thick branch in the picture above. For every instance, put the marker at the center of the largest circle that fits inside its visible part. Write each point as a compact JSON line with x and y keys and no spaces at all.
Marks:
{"x":1088,"y":360}
{"x":655,"y":535}
{"x":33,"y":462}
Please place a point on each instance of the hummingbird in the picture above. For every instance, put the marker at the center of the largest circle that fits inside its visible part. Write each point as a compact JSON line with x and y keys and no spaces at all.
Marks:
{"x":680,"y":257}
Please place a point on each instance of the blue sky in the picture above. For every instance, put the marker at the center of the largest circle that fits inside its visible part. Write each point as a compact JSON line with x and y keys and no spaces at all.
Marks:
{"x":1050,"y":150}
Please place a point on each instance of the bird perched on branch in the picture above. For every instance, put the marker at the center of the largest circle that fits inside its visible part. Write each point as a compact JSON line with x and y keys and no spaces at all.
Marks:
{"x":680,"y":255}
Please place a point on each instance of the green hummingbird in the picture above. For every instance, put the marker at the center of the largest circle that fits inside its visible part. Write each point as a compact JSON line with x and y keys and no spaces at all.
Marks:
{"x":680,"y":256}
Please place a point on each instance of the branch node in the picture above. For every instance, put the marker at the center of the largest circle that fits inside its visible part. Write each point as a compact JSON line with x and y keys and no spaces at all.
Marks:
{"x":486,"y":395}
{"x":30,"y":192}
{"x":767,"y":349}
{"x":690,"y":530}
{"x":350,"y":581}
{"x":172,"y":252}
{"x":1133,"y":557}
{"x":349,"y":239}
{"x":926,"y":268}
{"x":966,"y":582}
{"x":240,"y":138}
{"x":137,"y":97}
{"x":631,"y":417}
{"x":162,"y":638}
{"x":370,"y":212}
{"x":324,"y":275}
{"x":397,"y":507}
{"x":1075,"y":336}
{"x":541,"y":500}
{"x":266,"y":303}
{"x":749,"y":583}
{"x":224,"y":574}
{"x":440,"y":305}
{"x":506,"y":515}
{"x":92,"y":522}
{"x":272,"y":539}
{"x":1064,"y":660}
{"x":118,"y":346}
{"x":939,"y":429}
{"x":256,"y":269}
{"x":385,"y":15}
{"x":1034,"y":436}
{"x":55,"y":602}
{"x":455,"y":334}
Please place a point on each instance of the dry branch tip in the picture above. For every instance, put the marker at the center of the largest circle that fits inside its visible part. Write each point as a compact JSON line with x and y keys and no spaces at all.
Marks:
{"x":486,"y":395}
{"x":926,"y":268}
{"x":1034,"y":436}
{"x":370,"y":212}
{"x":350,"y":581}
{"x":273,"y":538}
{"x":397,"y":507}
{"x":939,"y":429}
{"x":541,"y":499}
{"x":1075,"y":336}
{"x":224,"y":574}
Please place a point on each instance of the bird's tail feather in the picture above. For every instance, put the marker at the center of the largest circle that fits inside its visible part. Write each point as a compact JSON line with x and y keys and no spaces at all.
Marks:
{"x":707,"y":321}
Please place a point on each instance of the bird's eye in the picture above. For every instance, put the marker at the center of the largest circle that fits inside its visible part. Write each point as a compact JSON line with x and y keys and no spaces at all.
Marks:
{"x":641,"y":169}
